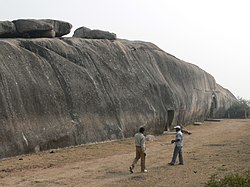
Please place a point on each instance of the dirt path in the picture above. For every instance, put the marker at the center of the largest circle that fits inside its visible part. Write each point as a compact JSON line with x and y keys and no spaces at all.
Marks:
{"x":214,"y":148}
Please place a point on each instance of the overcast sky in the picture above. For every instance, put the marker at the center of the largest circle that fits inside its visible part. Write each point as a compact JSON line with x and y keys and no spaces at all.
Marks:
{"x":212,"y":34}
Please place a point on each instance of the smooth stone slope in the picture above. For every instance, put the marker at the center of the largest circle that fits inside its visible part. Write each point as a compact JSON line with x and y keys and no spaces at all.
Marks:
{"x":61,"y":92}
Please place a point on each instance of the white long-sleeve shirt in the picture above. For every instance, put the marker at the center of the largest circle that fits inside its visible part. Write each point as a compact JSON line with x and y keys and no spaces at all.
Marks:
{"x":140,"y":141}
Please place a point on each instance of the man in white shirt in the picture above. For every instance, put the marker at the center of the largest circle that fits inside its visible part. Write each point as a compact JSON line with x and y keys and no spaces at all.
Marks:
{"x":178,"y":146}
{"x":140,"y":151}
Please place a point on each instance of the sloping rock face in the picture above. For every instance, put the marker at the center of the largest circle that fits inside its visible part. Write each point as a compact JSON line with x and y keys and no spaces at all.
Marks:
{"x":70,"y":91}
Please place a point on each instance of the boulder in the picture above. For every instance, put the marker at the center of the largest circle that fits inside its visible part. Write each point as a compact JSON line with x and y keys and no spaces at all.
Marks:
{"x":31,"y":28}
{"x":29,"y":25}
{"x":7,"y":28}
{"x":61,"y":28}
{"x":84,"y":32}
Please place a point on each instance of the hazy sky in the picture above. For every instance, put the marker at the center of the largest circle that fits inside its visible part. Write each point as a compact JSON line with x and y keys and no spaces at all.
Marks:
{"x":212,"y":34}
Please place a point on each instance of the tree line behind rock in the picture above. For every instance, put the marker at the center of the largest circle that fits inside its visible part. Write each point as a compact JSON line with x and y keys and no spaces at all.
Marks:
{"x":239,"y":109}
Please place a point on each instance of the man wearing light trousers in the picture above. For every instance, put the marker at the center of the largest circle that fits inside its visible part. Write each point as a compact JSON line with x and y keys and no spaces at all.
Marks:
{"x":140,"y":151}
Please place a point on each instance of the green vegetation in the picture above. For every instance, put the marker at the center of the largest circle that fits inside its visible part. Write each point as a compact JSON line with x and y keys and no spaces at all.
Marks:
{"x":232,"y":180}
{"x":239,"y":109}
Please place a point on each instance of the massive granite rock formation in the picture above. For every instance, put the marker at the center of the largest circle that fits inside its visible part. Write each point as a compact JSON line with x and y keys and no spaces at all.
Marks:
{"x":70,"y":91}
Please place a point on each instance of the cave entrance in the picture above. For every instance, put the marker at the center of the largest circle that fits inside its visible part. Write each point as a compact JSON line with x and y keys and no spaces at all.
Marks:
{"x":170,"y":117}
{"x":213,"y":105}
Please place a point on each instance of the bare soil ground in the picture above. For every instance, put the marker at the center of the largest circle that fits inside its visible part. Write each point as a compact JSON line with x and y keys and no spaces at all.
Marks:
{"x":214,"y":148}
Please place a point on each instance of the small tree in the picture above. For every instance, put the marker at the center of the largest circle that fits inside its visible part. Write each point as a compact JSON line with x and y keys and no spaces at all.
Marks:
{"x":239,"y":109}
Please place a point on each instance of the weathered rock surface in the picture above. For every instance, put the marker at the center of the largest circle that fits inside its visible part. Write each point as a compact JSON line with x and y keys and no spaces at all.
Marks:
{"x":84,"y":32}
{"x":29,"y":28}
{"x":32,"y":28}
{"x":7,"y":28}
{"x":70,"y":91}
{"x":61,"y":28}
{"x":29,"y":25}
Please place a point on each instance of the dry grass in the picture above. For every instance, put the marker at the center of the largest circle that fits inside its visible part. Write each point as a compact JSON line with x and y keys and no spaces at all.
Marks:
{"x":214,"y":148}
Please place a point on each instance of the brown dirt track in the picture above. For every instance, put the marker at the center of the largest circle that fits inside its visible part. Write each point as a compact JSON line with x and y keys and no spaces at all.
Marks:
{"x":214,"y":148}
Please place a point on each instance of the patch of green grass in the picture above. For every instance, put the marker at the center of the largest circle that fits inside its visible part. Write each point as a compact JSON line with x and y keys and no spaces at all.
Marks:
{"x":231,"y":180}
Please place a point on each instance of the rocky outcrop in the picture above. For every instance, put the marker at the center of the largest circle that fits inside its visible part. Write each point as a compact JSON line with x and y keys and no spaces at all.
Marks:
{"x":31,"y":28}
{"x":68,"y":91}
{"x":48,"y":28}
{"x":61,"y":28}
{"x":7,"y":28}
{"x":84,"y":32}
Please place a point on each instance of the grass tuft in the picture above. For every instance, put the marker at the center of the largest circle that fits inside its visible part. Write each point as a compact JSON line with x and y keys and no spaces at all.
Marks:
{"x":231,"y":180}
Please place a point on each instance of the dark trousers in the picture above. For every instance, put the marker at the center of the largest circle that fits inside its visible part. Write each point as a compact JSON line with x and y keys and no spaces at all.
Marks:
{"x":139,"y":154}
{"x":177,"y":151}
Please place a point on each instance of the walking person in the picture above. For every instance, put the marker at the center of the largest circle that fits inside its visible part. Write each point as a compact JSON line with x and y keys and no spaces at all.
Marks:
{"x":140,"y":151}
{"x":178,"y":145}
